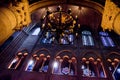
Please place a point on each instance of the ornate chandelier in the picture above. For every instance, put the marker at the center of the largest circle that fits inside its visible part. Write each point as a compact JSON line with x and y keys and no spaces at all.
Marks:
{"x":61,"y":25}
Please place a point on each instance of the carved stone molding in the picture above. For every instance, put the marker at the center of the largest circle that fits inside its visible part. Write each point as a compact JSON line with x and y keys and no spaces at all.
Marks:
{"x":110,"y":16}
{"x":21,"y":11}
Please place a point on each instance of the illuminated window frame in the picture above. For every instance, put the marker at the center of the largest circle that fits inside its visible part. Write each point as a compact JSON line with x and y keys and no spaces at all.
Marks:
{"x":15,"y":63}
{"x":66,"y":70}
{"x":106,"y":39}
{"x":87,"y":38}
{"x":95,"y":71}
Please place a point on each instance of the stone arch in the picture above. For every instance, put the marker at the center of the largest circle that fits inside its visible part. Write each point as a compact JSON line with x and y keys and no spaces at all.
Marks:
{"x":112,"y":60}
{"x":40,"y":60}
{"x":22,"y":50}
{"x":66,"y":59}
{"x":116,"y":54}
{"x":92,"y":61}
{"x":41,"y":4}
{"x":91,"y":53}
{"x":42,"y":50}
{"x":65,"y":52}
{"x":18,"y":60}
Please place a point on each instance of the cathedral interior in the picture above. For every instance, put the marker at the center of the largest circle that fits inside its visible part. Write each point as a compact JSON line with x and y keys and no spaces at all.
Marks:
{"x":59,"y":40}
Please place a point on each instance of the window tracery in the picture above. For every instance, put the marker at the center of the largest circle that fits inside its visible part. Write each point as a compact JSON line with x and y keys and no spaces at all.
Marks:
{"x":36,"y":31}
{"x":38,"y":63}
{"x":92,"y":67}
{"x":64,"y":65}
{"x":106,"y":39}
{"x":17,"y":62}
{"x":112,"y":63}
{"x":87,"y":39}
{"x":60,"y":27}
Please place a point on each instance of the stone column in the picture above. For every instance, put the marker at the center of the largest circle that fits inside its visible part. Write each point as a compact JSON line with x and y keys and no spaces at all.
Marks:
{"x":7,"y":23}
{"x":13,"y":17}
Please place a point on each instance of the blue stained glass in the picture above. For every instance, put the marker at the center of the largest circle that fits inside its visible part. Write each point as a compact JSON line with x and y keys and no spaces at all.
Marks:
{"x":48,"y":38}
{"x":106,"y":40}
{"x":70,"y":37}
{"x":87,"y":38}
{"x":86,"y":32}
{"x":103,"y":33}
{"x":84,"y":39}
{"x":45,"y":68}
{"x":110,"y":42}
{"x":36,"y":31}
{"x":90,"y":40}
{"x":63,"y":41}
{"x":30,"y":66}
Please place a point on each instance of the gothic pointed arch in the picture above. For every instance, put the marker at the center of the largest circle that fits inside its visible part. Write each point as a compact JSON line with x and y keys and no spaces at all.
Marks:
{"x":65,"y":63}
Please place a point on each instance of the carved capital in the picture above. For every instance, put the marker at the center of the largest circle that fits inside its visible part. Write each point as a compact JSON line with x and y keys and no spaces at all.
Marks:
{"x":21,"y":11}
{"x":111,"y":10}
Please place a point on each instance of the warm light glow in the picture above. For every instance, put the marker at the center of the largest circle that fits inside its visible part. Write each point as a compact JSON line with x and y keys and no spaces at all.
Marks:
{"x":113,"y":63}
{"x":98,"y":59}
{"x":78,"y":25}
{"x":109,"y":60}
{"x":95,"y":62}
{"x":34,"y":55}
{"x":42,"y":55}
{"x":45,"y":59}
{"x":48,"y":56}
{"x":116,"y":60}
{"x":83,"y":59}
{"x":58,"y":57}
{"x":15,"y":60}
{"x":65,"y":56}
{"x":37,"y":58}
{"x":87,"y":62}
{"x":19,"y":53}
{"x":61,"y":60}
{"x":91,"y":59}
{"x":25,"y":54}
{"x":73,"y":58}
{"x":70,"y":61}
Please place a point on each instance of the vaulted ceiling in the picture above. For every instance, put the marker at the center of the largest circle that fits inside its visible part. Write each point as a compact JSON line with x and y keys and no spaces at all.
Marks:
{"x":86,"y":16}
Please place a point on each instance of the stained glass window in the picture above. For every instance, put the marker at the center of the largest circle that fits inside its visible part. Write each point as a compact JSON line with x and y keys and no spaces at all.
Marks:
{"x":30,"y":65}
{"x":38,"y":63}
{"x":92,"y":68}
{"x":87,"y":38}
{"x":17,"y":62}
{"x":36,"y":31}
{"x":64,"y":66}
{"x":49,"y":37}
{"x":106,"y":40}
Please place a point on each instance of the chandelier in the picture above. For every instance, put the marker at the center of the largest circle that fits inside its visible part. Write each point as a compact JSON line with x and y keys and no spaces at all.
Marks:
{"x":60,"y":24}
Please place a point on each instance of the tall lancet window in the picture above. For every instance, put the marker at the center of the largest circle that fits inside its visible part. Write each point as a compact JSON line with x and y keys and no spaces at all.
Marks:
{"x":49,"y":37}
{"x":17,"y":62}
{"x":92,"y":68}
{"x":87,"y":39}
{"x":36,"y":31}
{"x":106,"y":40}
{"x":64,"y":66}
{"x":112,"y":63}
{"x":38,"y":63}
{"x":42,"y":63}
{"x":31,"y":63}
